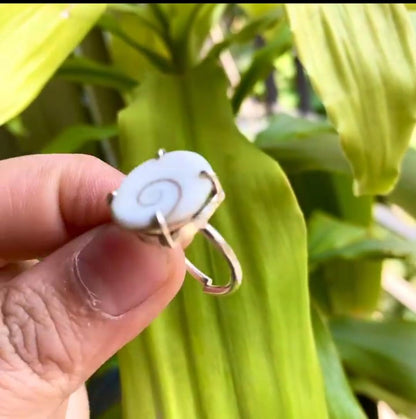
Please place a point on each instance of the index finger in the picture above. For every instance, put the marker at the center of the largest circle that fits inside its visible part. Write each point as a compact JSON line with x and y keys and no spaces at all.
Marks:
{"x":46,"y":200}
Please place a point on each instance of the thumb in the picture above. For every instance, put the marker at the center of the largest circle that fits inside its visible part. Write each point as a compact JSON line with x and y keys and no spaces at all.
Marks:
{"x":69,"y":313}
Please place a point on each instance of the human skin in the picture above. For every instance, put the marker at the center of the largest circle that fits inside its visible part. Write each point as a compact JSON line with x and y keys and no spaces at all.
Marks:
{"x":95,"y":288}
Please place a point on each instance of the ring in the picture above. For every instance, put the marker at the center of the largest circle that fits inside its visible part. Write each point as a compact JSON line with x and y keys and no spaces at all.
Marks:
{"x":169,"y":199}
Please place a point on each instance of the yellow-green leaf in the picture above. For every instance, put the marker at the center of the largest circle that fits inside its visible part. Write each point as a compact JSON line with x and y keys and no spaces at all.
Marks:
{"x":87,"y":71}
{"x":299,"y":145}
{"x":143,"y":30}
{"x":73,"y":138}
{"x":361,"y":60}
{"x":350,"y":286}
{"x":34,"y":40}
{"x":249,"y":355}
{"x":332,"y":238}
{"x":257,"y":10}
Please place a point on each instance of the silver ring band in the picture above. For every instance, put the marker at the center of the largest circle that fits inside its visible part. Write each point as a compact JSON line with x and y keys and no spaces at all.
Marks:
{"x":236,"y":273}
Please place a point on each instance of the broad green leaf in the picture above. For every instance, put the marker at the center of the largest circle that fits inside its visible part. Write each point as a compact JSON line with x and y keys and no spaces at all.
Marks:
{"x":340,"y":399}
{"x":250,"y":355}
{"x":350,"y":287}
{"x":331,"y":238}
{"x":328,"y":234}
{"x":76,"y":136}
{"x":34,"y":40}
{"x":341,"y":286}
{"x":381,"y":352}
{"x":361,"y":61}
{"x":177,"y":21}
{"x":345,"y":256}
{"x":301,"y":145}
{"x":261,"y":65}
{"x":353,"y":286}
{"x":127,"y":58}
{"x":84,"y":70}
{"x":283,"y":127}
{"x":182,"y":28}
{"x":320,"y":150}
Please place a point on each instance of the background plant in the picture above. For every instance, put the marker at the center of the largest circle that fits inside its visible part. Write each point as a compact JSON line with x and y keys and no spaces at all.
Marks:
{"x":311,"y":333}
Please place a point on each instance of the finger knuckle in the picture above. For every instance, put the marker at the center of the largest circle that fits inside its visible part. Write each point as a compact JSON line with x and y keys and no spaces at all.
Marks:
{"x":37,"y":334}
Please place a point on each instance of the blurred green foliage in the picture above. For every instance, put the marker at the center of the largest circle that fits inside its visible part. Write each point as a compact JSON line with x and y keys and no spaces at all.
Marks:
{"x":335,"y":88}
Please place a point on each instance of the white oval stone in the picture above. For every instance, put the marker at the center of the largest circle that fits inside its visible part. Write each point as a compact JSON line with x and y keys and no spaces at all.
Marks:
{"x":170,"y":184}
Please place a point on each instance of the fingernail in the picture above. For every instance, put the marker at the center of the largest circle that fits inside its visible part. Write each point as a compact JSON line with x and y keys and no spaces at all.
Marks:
{"x":118,"y":271}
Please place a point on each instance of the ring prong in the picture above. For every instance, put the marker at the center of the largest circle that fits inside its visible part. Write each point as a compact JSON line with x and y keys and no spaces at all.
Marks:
{"x":111,"y":196}
{"x":216,"y":185}
{"x":160,"y":153}
{"x":165,"y":229}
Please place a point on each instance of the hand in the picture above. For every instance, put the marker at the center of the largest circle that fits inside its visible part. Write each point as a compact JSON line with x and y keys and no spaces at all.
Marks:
{"x":96,"y":288}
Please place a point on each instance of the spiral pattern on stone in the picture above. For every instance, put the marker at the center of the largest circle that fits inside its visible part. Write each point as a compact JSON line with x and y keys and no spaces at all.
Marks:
{"x":163,"y":194}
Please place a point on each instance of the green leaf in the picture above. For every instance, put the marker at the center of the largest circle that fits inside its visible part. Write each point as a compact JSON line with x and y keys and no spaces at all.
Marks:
{"x":186,"y":27}
{"x":361,"y":61}
{"x":141,"y":12}
{"x":340,"y":399}
{"x":318,"y":149}
{"x":261,"y":65}
{"x":330,"y":238}
{"x":34,"y":40}
{"x":342,"y":286}
{"x":301,"y":145}
{"x":380,"y":352}
{"x":375,"y":392}
{"x":328,"y":234}
{"x":76,"y":136}
{"x":170,"y":36}
{"x":252,"y":354}
{"x":343,"y":259}
{"x":208,"y":17}
{"x":258,"y":10}
{"x":247,"y":33}
{"x":404,"y":194}
{"x":283,"y":127}
{"x":124,"y":54}
{"x":352,"y":287}
{"x":110,"y":24}
{"x":84,"y":70}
